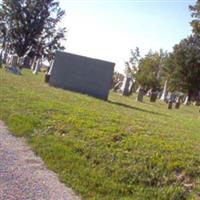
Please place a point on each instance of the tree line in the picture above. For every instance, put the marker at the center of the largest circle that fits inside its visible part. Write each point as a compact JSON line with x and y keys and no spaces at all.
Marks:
{"x":180,"y":68}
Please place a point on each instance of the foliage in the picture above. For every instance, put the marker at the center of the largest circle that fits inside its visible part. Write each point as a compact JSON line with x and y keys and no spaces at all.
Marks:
{"x":131,"y":66}
{"x":168,"y":72}
{"x":120,"y":149}
{"x":149,"y":70}
{"x":195,"y":10}
{"x":183,"y":66}
{"x":32,"y":26}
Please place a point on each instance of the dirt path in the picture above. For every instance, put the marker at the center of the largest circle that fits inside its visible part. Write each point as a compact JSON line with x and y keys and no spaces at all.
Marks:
{"x":23,"y":175}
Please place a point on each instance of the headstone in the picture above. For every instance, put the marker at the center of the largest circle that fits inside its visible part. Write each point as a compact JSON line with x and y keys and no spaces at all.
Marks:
{"x":50,"y":67}
{"x":164,"y":94}
{"x":177,"y":103}
{"x":149,"y":92}
{"x":170,"y":104}
{"x":186,"y":102}
{"x":153,"y":96}
{"x":140,"y":95}
{"x":47,"y":77}
{"x":33,"y":64}
{"x":48,"y":74}
{"x":138,"y":89}
{"x":125,"y":86}
{"x":82,"y":74}
{"x":14,"y":60}
{"x":5,"y":57}
{"x":170,"y":100}
{"x":197,"y":103}
{"x":131,"y":86}
{"x":173,"y":97}
{"x":21,"y":62}
{"x":117,"y":86}
{"x":37,"y":67}
{"x":8,"y":59}
{"x":26,"y":62}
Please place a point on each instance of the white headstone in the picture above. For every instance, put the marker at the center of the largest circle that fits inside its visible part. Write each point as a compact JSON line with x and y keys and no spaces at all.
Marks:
{"x":164,"y":94}
{"x":50,"y":67}
{"x":37,"y":67}
{"x":140,"y":95}
{"x":186,"y":102}
{"x":33,"y":64}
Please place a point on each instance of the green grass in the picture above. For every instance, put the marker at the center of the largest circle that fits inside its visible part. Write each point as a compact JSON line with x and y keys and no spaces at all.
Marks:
{"x":115,"y":150}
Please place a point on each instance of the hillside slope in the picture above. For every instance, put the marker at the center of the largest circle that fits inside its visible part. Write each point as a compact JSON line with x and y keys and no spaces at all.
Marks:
{"x":120,"y":149}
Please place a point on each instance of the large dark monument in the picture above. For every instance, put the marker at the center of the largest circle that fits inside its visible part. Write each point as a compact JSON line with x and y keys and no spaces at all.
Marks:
{"x":82,"y":74}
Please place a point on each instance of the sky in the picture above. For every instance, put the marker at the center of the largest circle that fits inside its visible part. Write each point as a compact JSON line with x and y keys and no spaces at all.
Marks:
{"x":109,"y":29}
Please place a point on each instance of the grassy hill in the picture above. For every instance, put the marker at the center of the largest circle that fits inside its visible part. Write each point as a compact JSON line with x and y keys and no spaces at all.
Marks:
{"x":115,"y":150}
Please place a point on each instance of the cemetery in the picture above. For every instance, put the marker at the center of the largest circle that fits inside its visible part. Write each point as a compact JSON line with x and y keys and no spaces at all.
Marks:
{"x":75,"y":122}
{"x":102,"y":149}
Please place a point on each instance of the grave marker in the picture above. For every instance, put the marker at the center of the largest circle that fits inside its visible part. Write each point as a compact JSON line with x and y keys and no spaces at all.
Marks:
{"x":82,"y":74}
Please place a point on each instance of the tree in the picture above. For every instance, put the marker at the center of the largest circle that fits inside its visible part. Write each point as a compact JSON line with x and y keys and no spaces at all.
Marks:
{"x":183,"y":66}
{"x":149,"y":70}
{"x":131,"y":66}
{"x":195,"y":10}
{"x":33,"y":26}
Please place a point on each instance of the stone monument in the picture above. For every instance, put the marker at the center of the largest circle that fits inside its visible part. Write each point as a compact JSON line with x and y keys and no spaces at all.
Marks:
{"x":82,"y":74}
{"x":140,"y":95}
{"x":37,"y":66}
{"x":126,"y":86}
{"x":153,"y":96}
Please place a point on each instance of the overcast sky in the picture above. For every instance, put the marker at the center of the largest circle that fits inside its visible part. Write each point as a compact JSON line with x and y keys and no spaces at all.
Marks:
{"x":108,"y":29}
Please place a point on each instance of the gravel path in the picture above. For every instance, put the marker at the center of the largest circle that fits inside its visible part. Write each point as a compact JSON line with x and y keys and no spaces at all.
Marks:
{"x":23,"y":175}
